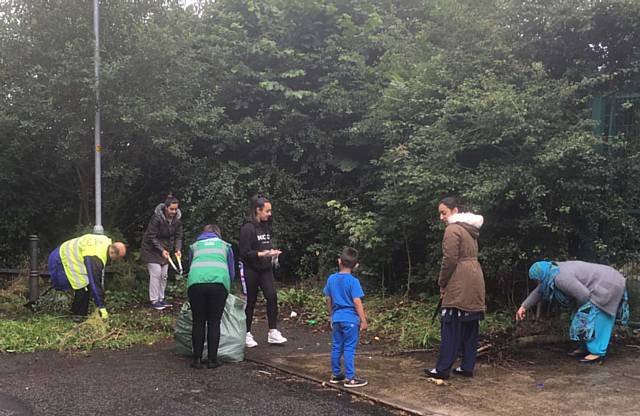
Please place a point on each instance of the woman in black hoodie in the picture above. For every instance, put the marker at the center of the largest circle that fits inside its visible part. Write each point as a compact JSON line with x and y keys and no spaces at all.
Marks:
{"x":258,"y":257}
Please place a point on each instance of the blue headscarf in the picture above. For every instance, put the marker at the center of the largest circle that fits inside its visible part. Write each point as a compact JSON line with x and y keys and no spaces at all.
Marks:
{"x":546,"y":272}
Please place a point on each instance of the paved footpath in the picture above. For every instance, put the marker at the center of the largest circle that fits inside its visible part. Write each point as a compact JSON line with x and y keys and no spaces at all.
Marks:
{"x":542,"y":380}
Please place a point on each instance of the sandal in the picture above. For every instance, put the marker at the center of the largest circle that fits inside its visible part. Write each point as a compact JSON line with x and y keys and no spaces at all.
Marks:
{"x":598,"y":360}
{"x":578,"y":352}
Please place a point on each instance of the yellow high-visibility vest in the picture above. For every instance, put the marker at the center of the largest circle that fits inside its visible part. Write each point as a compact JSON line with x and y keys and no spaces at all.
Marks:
{"x":72,"y":254}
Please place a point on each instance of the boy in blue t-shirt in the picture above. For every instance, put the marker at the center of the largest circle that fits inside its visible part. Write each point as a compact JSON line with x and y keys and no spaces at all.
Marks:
{"x":344,"y":300}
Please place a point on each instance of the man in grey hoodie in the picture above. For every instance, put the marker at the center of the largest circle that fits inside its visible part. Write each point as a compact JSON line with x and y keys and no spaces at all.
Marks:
{"x":163,"y":235}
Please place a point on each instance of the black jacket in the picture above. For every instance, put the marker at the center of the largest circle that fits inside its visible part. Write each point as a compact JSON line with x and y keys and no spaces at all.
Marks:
{"x":95,"y":269}
{"x":161,"y":235}
{"x":255,"y":237}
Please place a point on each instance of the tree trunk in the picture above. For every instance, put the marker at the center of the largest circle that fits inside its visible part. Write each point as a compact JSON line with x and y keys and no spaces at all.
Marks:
{"x":409,"y":266}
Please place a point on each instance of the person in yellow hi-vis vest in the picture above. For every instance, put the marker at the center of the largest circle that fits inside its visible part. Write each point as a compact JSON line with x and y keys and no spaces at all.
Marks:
{"x":79,"y":264}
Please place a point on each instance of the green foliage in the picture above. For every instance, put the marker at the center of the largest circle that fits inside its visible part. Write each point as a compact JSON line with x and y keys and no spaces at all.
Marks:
{"x":354,"y":117}
{"x":28,"y":333}
{"x":31,"y":334}
{"x":308,"y":302}
{"x":400,"y":324}
{"x":405,"y":324}
{"x":49,"y":326}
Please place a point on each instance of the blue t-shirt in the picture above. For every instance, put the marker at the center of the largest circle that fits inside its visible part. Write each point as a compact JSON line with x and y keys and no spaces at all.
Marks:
{"x":343,"y":288}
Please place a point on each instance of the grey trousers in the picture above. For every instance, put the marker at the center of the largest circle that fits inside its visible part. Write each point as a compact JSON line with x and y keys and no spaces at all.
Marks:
{"x":157,"y":281}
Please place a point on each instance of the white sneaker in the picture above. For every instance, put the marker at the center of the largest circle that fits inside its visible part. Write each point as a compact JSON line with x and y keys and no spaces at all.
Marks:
{"x":275,"y":337}
{"x":249,"y":341}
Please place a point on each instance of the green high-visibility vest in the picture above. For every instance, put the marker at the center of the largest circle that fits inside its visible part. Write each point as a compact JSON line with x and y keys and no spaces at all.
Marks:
{"x":209,"y":264}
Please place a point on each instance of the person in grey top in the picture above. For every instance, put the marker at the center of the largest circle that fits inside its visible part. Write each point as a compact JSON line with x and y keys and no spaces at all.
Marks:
{"x":598,"y":291}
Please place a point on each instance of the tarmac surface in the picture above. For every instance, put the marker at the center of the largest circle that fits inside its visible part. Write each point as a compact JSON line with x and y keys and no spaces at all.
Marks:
{"x":152,"y":380}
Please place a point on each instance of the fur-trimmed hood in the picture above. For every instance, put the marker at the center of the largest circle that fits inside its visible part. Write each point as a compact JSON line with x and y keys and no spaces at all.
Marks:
{"x":161,"y":235}
{"x":159,"y":211}
{"x":461,"y":278}
{"x":469,"y":221}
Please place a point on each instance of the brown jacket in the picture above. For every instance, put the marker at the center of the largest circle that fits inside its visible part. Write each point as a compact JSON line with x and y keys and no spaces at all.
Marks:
{"x":461,"y":276}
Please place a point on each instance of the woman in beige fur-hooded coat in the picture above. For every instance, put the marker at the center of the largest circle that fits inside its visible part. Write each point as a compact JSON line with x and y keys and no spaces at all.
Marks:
{"x":461,"y":279}
{"x":462,"y":290}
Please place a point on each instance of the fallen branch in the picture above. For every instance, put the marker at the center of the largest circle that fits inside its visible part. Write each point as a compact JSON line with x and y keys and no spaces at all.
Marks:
{"x":484,"y":348}
{"x":539,"y":339}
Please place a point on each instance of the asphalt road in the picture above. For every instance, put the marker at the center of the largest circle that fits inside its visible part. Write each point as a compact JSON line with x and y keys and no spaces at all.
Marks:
{"x":153,"y":381}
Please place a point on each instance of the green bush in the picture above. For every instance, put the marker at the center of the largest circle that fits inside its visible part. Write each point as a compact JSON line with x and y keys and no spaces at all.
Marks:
{"x":308,"y":302}
{"x":399,"y":323}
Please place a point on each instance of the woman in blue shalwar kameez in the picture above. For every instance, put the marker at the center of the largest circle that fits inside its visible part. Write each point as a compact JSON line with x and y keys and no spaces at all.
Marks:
{"x":599,"y":292}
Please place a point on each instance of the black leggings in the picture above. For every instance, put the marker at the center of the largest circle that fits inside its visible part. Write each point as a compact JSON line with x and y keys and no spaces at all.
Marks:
{"x":265,"y":281}
{"x":207,"y":305}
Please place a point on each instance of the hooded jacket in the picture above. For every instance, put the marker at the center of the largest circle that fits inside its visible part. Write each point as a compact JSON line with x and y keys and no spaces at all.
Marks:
{"x":461,"y":276}
{"x":255,"y":237}
{"x":161,"y":234}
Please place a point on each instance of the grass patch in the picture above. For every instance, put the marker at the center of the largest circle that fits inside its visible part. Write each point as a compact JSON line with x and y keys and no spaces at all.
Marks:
{"x":400,"y":324}
{"x":33,"y":333}
{"x":308,"y":302}
{"x":397,"y":323}
{"x":48,"y":332}
{"x":49,"y":326}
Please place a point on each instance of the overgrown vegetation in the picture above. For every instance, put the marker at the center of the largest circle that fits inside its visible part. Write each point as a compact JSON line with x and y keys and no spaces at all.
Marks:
{"x":398,"y":323}
{"x":44,"y":331}
{"x":49,"y":325}
{"x":354,"y":116}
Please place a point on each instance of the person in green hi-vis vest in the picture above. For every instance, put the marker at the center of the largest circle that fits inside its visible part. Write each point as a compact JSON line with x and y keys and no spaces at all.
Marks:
{"x":212,"y":269}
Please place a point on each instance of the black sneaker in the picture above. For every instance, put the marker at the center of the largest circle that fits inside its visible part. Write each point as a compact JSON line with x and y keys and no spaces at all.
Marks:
{"x":336,"y":379}
{"x":196,"y":363}
{"x":355,"y":382}
{"x":459,"y":371}
{"x":213,"y":364}
{"x":433,"y":373}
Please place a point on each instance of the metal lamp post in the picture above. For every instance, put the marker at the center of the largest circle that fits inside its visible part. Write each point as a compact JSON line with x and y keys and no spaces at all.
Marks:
{"x":97,"y":229}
